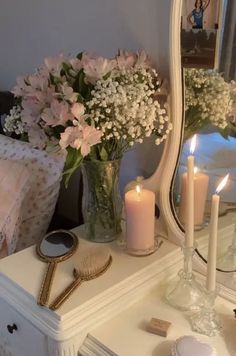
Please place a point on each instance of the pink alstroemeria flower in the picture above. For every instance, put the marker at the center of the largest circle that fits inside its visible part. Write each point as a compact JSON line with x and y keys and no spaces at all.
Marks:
{"x":54,"y":64}
{"x":78,"y":110}
{"x":31,"y":110}
{"x":69,"y":136}
{"x":143,"y":60}
{"x":80,"y":137}
{"x":76,"y":64}
{"x":44,"y":97}
{"x":57,"y":114}
{"x":68,"y":92}
{"x":37,"y":82}
{"x":96,"y":68}
{"x":37,"y":137}
{"x":20,"y":88}
{"x":126,"y":59}
{"x":90,"y":137}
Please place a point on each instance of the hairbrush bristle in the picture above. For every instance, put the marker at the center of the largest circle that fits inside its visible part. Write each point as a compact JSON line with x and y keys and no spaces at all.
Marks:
{"x":94,"y":261}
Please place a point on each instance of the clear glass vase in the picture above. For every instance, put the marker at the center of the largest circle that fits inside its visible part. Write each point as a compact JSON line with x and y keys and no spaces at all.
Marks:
{"x":101,"y":202}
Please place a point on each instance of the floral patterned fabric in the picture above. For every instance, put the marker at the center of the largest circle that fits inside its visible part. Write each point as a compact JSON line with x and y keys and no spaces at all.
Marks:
{"x":14,"y":185}
{"x":45,"y":173}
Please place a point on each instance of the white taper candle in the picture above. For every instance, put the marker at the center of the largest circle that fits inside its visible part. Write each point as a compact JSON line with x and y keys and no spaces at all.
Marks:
{"x":212,"y":245}
{"x":189,"y":225}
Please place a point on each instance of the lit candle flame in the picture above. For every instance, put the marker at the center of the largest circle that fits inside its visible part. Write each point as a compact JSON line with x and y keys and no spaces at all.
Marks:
{"x":196,"y":169}
{"x":138,"y":189}
{"x":222,"y":184}
{"x":193,"y":144}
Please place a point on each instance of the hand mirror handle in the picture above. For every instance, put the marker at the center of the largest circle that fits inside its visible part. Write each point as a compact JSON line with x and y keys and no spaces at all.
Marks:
{"x":55,"y":247}
{"x":47,"y":284}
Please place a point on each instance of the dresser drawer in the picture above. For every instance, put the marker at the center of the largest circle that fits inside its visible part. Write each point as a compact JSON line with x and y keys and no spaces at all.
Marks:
{"x":18,"y":337}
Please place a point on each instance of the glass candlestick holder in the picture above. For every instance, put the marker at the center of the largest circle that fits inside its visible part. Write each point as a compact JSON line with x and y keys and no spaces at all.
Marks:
{"x":185,"y":293}
{"x":227,"y":261}
{"x":206,"y":320}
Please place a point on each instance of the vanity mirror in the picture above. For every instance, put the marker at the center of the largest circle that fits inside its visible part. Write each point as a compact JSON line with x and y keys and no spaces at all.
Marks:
{"x":209,"y":95}
{"x":203,"y":71}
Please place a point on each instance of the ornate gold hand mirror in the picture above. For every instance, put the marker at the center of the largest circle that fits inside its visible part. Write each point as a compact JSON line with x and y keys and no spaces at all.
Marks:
{"x":55,"y":247}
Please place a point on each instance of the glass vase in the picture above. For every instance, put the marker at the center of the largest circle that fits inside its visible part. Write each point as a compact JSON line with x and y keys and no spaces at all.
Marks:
{"x":101,"y":202}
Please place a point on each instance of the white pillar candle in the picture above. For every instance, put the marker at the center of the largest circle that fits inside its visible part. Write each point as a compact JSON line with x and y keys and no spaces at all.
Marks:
{"x":140,"y":219}
{"x":212,"y":245}
{"x":201,"y":182}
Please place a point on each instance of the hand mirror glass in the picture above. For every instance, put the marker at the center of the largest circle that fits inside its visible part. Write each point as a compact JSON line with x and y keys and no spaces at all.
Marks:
{"x":56,"y":246}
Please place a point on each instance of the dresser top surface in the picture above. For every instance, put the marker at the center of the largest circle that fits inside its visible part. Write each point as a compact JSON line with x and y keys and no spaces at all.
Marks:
{"x":25,"y":269}
{"x":131,"y":338}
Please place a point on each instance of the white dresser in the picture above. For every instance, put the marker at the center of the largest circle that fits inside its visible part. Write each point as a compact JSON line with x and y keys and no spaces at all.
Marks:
{"x":98,"y":315}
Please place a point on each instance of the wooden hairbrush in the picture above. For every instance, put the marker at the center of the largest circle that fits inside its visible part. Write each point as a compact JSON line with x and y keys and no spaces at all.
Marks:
{"x":92,"y":264}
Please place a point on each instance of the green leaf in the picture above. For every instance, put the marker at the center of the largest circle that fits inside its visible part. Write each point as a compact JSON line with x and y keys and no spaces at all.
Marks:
{"x":54,"y":80}
{"x":79,"y":55}
{"x":82,"y":84}
{"x":80,"y":99}
{"x":224,"y":133}
{"x":93,"y":153}
{"x":106,"y":76}
{"x":73,"y":161}
{"x":57,"y":130}
{"x":66,"y":67}
{"x":79,"y":85}
{"x":103,"y":154}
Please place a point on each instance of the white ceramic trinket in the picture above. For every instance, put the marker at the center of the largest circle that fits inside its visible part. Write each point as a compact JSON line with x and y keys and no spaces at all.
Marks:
{"x":189,"y":345}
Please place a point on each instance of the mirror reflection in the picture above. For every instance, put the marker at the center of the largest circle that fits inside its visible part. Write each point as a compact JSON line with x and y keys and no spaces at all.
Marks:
{"x":57,"y":244}
{"x":209,"y":74}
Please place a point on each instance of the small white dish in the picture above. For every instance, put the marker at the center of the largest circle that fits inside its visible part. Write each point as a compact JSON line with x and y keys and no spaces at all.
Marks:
{"x":190,"y":346}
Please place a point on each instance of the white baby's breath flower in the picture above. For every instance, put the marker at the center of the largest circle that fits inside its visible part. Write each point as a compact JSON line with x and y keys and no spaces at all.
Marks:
{"x":208,"y":96}
{"x":13,"y":123}
{"x":125,"y":105}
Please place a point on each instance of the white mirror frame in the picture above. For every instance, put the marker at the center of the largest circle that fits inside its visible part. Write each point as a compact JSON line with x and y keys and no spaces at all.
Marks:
{"x":161,"y":180}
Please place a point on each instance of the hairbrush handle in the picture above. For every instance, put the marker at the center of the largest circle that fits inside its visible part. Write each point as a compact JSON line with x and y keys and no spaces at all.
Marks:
{"x":65,"y":294}
{"x":47,"y":284}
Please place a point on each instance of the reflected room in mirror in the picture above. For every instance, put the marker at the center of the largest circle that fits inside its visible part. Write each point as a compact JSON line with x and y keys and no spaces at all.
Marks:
{"x":199,"y":33}
{"x":209,"y":113}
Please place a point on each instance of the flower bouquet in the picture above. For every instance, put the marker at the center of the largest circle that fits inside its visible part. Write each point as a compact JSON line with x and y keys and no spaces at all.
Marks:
{"x":94,"y":108}
{"x":209,"y":99}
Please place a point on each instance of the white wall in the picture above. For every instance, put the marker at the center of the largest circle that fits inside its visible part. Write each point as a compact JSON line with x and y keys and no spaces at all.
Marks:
{"x":33,"y":29}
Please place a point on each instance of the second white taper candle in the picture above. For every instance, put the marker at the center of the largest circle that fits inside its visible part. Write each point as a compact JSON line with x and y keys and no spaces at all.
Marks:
{"x":212,"y":245}
{"x":189,"y":225}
